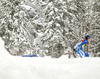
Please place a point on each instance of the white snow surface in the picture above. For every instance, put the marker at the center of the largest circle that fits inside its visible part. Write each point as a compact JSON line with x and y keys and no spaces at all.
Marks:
{"x":13,"y":67}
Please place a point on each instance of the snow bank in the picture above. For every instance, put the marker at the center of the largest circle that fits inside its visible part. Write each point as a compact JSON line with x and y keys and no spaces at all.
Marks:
{"x":47,"y":68}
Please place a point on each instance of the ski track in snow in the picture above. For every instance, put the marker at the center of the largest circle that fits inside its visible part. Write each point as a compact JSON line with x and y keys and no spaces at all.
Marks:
{"x":12,"y":67}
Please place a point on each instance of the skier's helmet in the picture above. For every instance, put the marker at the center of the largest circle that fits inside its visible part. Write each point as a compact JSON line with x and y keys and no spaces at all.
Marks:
{"x":87,"y":37}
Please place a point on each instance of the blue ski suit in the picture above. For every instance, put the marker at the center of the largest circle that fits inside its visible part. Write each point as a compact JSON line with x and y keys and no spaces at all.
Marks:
{"x":79,"y":47}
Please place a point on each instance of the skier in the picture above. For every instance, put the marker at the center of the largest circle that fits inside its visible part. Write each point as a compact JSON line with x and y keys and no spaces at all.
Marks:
{"x":78,"y":47}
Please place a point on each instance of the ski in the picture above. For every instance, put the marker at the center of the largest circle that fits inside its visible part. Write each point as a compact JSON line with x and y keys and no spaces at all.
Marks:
{"x":29,"y":56}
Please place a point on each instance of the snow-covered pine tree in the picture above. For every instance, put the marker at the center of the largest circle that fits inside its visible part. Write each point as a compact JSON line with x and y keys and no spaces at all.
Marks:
{"x":15,"y":27}
{"x":54,"y":39}
{"x":95,"y":27}
{"x":78,"y":9}
{"x":34,"y":10}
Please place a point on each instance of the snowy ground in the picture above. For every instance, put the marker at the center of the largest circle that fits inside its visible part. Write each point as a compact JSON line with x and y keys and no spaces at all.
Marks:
{"x":47,"y":68}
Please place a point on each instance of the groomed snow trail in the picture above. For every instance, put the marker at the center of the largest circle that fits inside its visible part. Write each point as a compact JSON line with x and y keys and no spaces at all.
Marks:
{"x":12,"y":67}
